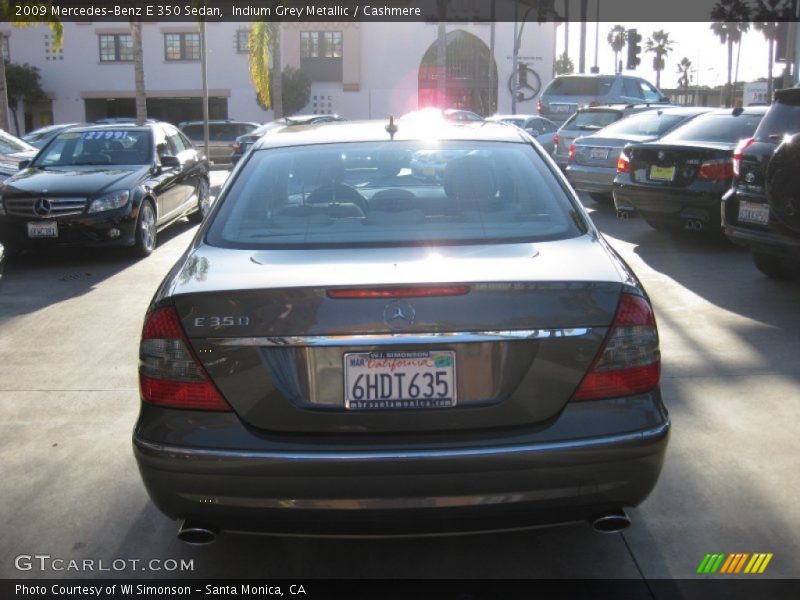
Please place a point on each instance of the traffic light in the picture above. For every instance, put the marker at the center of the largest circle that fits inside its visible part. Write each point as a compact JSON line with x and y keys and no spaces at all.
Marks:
{"x":522,"y":75}
{"x":634,"y":49}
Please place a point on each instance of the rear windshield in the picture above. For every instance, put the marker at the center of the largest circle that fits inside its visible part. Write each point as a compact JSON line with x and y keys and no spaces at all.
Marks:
{"x":645,"y":124}
{"x":715,"y":128}
{"x":393,"y":193}
{"x":218,"y":132}
{"x":780,"y":119}
{"x":580,"y":86}
{"x":106,"y":147}
{"x":592,"y":120}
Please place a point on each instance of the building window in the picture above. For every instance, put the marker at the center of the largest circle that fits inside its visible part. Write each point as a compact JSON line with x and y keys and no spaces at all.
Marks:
{"x":50,"y":53}
{"x":182,"y":46}
{"x":320,"y":44}
{"x":116,"y":47}
{"x":243,"y":41}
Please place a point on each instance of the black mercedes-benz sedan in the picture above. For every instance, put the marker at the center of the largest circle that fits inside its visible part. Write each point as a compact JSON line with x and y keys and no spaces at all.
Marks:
{"x":678,"y":181}
{"x":104,"y":185}
{"x":346,"y":348}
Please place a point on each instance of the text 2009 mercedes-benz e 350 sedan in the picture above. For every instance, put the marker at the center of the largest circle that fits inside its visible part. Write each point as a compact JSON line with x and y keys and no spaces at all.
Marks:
{"x":347,"y":348}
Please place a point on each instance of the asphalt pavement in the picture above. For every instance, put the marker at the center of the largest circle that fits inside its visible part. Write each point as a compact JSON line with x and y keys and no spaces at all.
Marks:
{"x":69,"y":331}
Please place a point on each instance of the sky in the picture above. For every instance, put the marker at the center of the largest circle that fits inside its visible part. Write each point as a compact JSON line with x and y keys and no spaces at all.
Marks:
{"x":695,"y":41}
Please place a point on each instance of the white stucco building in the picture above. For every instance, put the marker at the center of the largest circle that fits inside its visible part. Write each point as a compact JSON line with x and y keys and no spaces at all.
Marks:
{"x":359,"y":70}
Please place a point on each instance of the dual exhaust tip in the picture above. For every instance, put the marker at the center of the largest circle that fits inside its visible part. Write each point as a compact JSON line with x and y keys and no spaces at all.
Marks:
{"x":694,"y":224}
{"x":197,"y":534}
{"x":623,"y":214}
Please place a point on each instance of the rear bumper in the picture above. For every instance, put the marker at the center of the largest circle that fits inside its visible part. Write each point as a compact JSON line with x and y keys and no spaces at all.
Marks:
{"x":670,"y":205}
{"x":406,"y":489}
{"x":598,"y":180}
{"x":767,"y":242}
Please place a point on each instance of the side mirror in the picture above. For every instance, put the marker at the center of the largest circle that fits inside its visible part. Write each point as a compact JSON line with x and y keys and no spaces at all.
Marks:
{"x":665,"y":98}
{"x":23,"y":164}
{"x":170,"y":162}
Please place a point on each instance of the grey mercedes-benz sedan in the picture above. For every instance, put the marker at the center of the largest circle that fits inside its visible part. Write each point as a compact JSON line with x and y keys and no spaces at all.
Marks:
{"x":347,"y":348}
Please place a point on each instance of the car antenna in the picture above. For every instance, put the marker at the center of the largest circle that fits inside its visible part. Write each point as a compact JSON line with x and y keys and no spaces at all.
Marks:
{"x":391,"y":128}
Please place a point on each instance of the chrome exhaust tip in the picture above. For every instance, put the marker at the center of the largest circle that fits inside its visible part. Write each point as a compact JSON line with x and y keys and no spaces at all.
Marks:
{"x":622,"y":214}
{"x":196,"y":534}
{"x":612,"y":522}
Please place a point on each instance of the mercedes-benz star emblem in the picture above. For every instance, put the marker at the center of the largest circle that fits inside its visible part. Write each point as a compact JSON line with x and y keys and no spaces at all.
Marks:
{"x":750,"y":177}
{"x":42,"y":207}
{"x":399,"y":314}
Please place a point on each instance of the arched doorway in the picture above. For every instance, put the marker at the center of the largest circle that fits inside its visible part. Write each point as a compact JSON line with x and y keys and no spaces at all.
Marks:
{"x":471,"y":75}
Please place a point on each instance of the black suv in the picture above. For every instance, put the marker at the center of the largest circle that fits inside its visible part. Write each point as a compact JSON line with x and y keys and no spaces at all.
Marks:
{"x":754,"y":210}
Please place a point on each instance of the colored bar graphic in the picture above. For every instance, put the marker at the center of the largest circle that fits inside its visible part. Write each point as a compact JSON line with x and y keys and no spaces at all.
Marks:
{"x":735,"y":563}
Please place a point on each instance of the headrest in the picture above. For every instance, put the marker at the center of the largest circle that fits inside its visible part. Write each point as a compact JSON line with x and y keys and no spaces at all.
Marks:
{"x":470,"y":177}
{"x":318,"y":170}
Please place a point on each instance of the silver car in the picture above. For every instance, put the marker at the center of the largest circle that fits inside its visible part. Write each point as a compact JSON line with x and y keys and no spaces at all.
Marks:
{"x":592,"y":159}
{"x":566,"y":94}
{"x":347,"y":349}
{"x":540,"y":128}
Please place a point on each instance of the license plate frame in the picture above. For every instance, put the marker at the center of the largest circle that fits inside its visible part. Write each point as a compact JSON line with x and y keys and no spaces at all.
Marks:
{"x":42,"y":229}
{"x":561,"y":108}
{"x":598,"y":153}
{"x":658,"y":173}
{"x":438,"y":391}
{"x":753,"y":213}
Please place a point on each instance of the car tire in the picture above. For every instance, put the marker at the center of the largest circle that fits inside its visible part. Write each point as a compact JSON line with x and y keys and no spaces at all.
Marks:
{"x":146,"y":232}
{"x":203,"y":203}
{"x":606,"y":199}
{"x":774,"y":267}
{"x":783,"y":183}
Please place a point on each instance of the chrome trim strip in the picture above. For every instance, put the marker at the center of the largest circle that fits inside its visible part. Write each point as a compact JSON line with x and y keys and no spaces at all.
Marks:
{"x":388,"y":339}
{"x":194,"y":454}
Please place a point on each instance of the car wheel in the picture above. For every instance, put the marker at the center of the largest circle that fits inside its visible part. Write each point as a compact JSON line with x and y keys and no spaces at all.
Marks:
{"x":607,"y":199}
{"x":145,"y":230}
{"x":774,"y":267}
{"x":203,"y":203}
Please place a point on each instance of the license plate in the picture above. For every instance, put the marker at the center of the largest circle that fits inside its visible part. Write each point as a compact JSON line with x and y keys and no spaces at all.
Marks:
{"x":662,"y":173}
{"x":598,"y":153}
{"x":561,"y":108}
{"x":400,"y":380}
{"x":43,"y":230}
{"x":753,"y":212}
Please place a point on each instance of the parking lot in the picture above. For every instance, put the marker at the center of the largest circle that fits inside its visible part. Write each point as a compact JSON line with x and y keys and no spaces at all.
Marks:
{"x":69,"y":332}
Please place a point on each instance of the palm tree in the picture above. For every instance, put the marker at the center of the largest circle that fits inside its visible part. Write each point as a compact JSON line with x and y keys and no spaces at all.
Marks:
{"x":7,"y":14}
{"x":685,"y":79}
{"x":265,"y":42}
{"x":138,"y":71}
{"x":616,"y":39}
{"x":766,"y":17}
{"x":730,"y":22}
{"x":660,"y":45}
{"x":564,"y":65}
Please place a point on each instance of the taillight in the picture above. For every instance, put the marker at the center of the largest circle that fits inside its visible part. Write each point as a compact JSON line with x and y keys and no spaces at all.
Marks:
{"x":716,"y":170}
{"x":629,"y":361}
{"x":539,"y":106}
{"x":555,"y":143}
{"x":400,"y":292}
{"x":623,"y":163}
{"x":571,"y":152}
{"x":738,"y":152}
{"x":169,"y":373}
{"x":235,"y":146}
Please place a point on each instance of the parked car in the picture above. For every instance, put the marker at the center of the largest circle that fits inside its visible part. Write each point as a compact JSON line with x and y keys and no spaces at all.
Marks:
{"x":221,"y":136}
{"x":13,"y":151}
{"x":592,"y":159}
{"x":342,"y":352}
{"x":587,"y":121}
{"x":540,"y":128}
{"x":754,"y":210}
{"x":244,"y":142}
{"x":39,"y":137}
{"x":104,"y":185}
{"x":450,"y":114}
{"x":678,"y":181}
{"x":565,"y":94}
